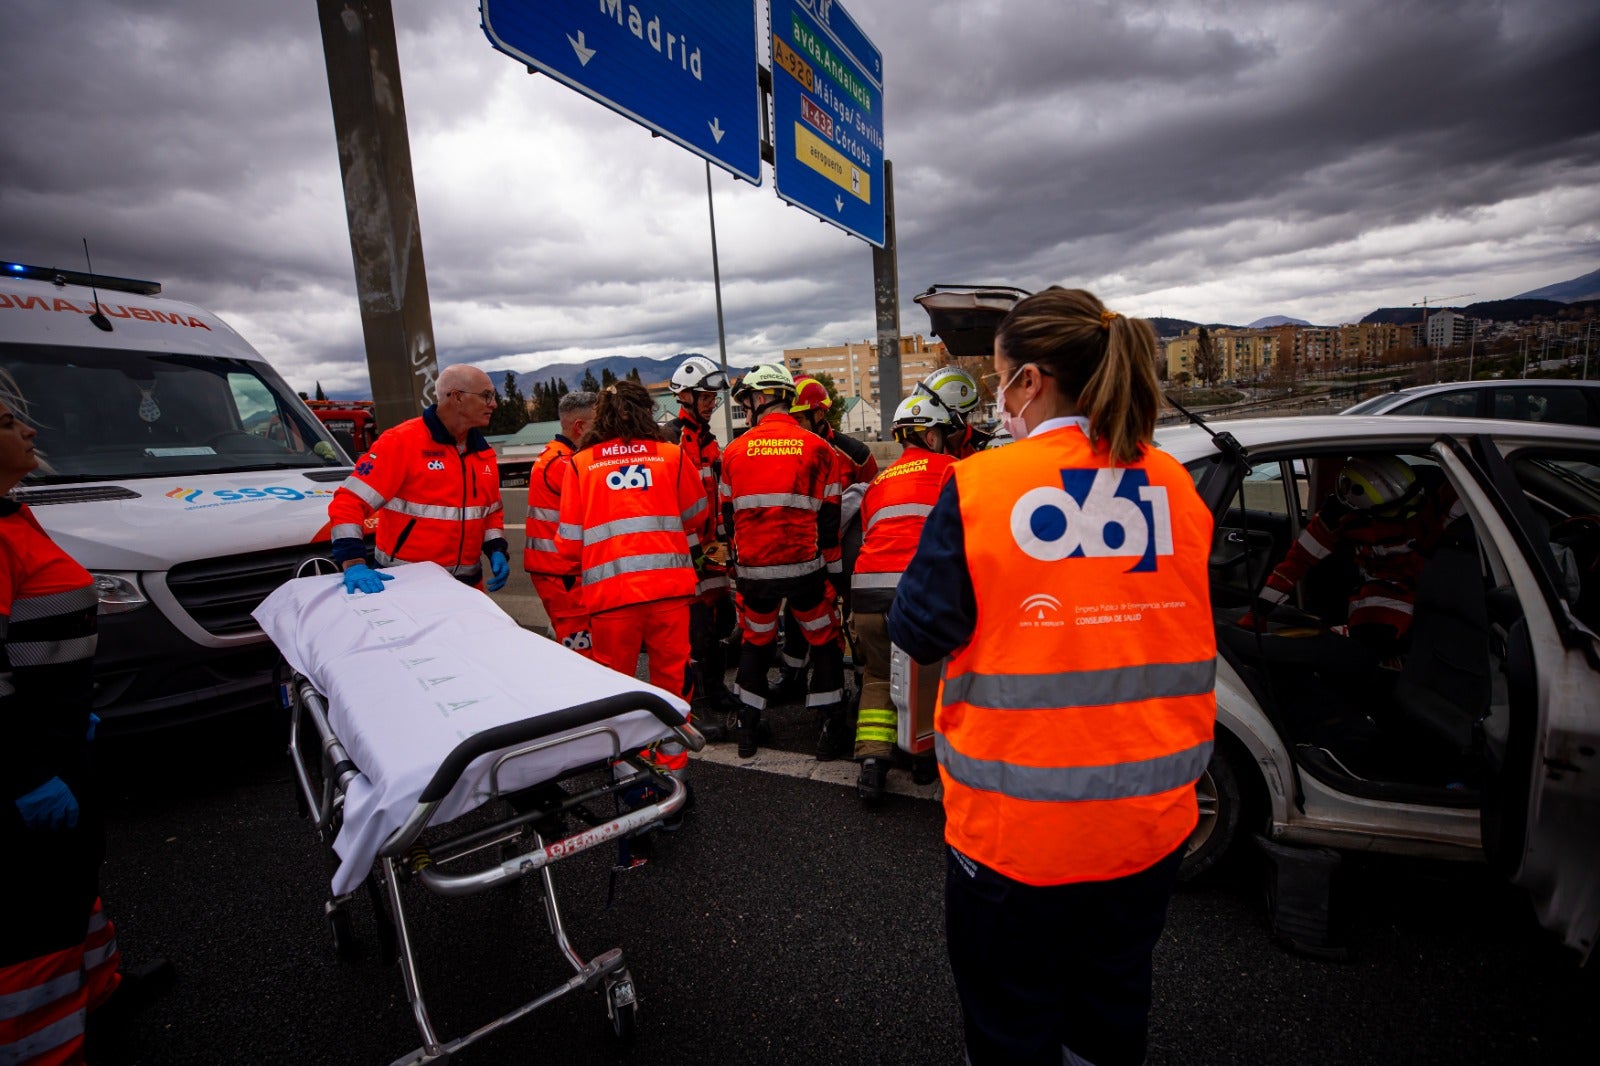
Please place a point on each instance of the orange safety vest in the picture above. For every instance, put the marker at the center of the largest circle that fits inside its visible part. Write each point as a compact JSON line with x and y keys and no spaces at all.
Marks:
{"x":545,"y":478}
{"x":892,"y":515}
{"x":776,"y":479}
{"x":701,"y":448}
{"x":434,"y":503}
{"x":1073,"y":725}
{"x":624,"y":508}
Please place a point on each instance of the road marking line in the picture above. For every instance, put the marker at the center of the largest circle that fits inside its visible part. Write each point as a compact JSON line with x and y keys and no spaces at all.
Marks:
{"x":794,"y":764}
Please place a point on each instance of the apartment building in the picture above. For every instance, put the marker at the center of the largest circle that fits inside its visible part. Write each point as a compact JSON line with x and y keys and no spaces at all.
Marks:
{"x":854,"y":367}
{"x":1245,"y":353}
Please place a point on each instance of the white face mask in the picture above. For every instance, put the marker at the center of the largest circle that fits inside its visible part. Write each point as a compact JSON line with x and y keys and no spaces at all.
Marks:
{"x":1013,"y":423}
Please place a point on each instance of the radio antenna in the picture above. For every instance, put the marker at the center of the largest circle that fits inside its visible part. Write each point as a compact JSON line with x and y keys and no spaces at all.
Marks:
{"x":98,"y":318}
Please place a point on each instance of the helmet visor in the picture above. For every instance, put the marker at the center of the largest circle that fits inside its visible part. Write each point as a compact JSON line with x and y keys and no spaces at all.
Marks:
{"x":715,"y":381}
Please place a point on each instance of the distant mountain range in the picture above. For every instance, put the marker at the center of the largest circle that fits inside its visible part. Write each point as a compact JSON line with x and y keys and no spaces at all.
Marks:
{"x":1277,"y":320}
{"x":1567,"y":292}
{"x":650,"y":371}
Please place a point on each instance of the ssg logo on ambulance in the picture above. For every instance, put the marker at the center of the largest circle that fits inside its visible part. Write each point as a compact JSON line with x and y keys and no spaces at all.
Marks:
{"x":1096,"y":513}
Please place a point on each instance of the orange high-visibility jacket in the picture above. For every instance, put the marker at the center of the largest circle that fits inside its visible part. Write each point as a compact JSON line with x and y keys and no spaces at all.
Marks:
{"x":545,"y":478}
{"x":701,"y":448}
{"x":624,"y":508}
{"x":1073,"y":725}
{"x":434,"y":503}
{"x":892,"y":515}
{"x":780,"y":499}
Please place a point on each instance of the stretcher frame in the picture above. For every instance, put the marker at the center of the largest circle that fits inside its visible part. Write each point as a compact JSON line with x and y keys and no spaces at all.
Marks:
{"x":402,"y":858}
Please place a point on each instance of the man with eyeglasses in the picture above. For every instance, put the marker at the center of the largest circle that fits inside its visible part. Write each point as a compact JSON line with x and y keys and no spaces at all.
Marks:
{"x":434,"y":485}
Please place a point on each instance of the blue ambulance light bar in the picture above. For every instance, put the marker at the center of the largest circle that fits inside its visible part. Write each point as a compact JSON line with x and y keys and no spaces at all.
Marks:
{"x":78,"y":277}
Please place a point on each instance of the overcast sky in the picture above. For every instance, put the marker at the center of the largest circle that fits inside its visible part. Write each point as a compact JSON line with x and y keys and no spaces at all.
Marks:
{"x":1218,"y":160}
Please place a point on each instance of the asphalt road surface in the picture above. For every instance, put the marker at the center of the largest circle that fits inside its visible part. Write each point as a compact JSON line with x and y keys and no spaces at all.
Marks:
{"x":783,"y":924}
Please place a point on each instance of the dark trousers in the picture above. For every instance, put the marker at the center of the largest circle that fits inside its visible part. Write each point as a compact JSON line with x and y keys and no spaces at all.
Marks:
{"x":1042,"y":971}
{"x":708,"y":624}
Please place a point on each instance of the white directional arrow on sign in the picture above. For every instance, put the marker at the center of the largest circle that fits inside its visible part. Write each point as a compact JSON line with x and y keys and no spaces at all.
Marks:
{"x":716,"y":129}
{"x":580,"y":46}
{"x":838,"y":203}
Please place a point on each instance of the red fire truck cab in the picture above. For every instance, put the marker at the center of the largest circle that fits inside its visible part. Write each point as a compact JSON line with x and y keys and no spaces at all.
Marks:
{"x":351,"y":422}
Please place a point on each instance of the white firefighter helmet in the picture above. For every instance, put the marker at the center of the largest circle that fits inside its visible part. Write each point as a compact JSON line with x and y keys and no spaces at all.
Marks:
{"x":953,"y":387}
{"x":697,"y":374}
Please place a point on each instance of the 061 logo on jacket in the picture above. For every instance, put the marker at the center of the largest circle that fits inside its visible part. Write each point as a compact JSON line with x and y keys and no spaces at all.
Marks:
{"x":1096,"y":513}
{"x":632,"y":476}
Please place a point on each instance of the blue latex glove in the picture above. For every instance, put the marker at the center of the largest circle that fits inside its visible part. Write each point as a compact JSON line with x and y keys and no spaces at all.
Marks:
{"x":94,"y":723}
{"x":362,"y":578}
{"x":50,"y":806}
{"x":499,"y":570}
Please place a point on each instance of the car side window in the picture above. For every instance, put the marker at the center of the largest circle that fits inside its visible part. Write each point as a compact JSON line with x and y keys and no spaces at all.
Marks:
{"x":1449,"y":404}
{"x":1554,"y":403}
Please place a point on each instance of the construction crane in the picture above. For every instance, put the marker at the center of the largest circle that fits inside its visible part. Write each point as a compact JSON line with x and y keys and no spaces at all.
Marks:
{"x":1437,"y":300}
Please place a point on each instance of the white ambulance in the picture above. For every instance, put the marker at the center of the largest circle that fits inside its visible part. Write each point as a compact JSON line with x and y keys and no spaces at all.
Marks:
{"x":180,"y":470}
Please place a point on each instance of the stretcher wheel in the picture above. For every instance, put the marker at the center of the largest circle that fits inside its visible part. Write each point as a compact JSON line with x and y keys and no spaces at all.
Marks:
{"x":344,"y":937}
{"x":623,"y":1007}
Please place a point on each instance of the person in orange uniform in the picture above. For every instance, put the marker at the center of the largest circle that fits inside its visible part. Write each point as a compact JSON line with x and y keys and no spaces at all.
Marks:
{"x":1065,"y":576}
{"x":628,"y":505}
{"x":892,"y":514}
{"x":555,"y":577}
{"x":780,"y":504}
{"x":855,"y":465}
{"x":697,"y":383}
{"x":58,"y":951}
{"x":435,"y":485}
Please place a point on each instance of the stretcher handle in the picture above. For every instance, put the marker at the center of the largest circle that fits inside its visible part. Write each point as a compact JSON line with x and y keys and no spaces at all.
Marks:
{"x":544,"y":725}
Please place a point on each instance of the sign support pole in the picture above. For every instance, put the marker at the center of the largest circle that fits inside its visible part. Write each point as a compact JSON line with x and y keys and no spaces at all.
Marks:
{"x":716,"y":281}
{"x":886,"y":296}
{"x":369,"y":120}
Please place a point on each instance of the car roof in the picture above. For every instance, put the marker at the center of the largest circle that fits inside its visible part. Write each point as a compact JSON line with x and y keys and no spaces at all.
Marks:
{"x":1378,"y":404}
{"x":1187,"y":443}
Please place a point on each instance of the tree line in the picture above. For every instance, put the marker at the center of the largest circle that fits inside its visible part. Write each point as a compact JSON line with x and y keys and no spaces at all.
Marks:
{"x":515,"y":410}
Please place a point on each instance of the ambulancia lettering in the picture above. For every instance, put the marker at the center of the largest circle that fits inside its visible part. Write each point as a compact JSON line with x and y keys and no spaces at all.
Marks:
{"x":1097,"y":513}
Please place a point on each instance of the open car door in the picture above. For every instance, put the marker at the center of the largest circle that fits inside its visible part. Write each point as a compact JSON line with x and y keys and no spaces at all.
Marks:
{"x":1541,"y":799}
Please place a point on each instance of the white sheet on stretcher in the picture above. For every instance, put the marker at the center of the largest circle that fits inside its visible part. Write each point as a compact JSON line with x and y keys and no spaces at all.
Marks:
{"x":411,"y":672}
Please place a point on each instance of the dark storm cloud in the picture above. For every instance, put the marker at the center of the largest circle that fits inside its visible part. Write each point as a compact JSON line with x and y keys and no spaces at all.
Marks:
{"x":1211,"y":157}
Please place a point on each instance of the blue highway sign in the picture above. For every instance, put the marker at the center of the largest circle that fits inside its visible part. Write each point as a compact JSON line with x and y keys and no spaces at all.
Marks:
{"x":827,"y":109}
{"x":684,"y":68}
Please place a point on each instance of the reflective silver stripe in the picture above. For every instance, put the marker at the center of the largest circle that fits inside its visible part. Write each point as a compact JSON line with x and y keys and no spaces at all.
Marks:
{"x":539,"y":544}
{"x":494,"y":508}
{"x":493,"y":533}
{"x":759,"y":627}
{"x":41,"y":1040}
{"x":899,"y":510}
{"x":1272,"y":595}
{"x":823,"y":699}
{"x":750,"y":699}
{"x":369,"y":495}
{"x":544,"y":514}
{"x":13,"y":1004}
{"x":694,"y":538}
{"x":634,"y":564}
{"x":1071,"y":784}
{"x":796,"y":500}
{"x":835,"y":566}
{"x":438,"y":511}
{"x":1082,"y":688}
{"x":698,"y":508}
{"x":858,"y":580}
{"x":817,"y":623}
{"x":711,"y":584}
{"x":831,"y":489}
{"x":345,"y":531}
{"x":623,"y":526}
{"x":792,"y":661}
{"x":1387,"y":603}
{"x":782,"y":570}
{"x":1311,"y":544}
{"x":97,"y":922}
{"x":28,"y":608}
{"x":569,"y":531}
{"x":383,"y":558}
{"x":95,"y":956}
{"x":51,"y":652}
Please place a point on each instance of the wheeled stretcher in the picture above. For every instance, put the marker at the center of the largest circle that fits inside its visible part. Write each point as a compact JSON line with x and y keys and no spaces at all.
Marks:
{"x":412,"y":709}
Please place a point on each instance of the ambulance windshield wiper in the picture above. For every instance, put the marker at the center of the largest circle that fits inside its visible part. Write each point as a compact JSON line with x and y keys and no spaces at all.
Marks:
{"x":1226,"y":442}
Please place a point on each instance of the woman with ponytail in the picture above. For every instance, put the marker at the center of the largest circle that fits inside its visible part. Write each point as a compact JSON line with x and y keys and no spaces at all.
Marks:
{"x":1065,"y":577}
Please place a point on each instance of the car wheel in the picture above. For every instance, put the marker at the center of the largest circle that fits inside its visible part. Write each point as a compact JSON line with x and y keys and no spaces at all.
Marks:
{"x":1221,"y":793}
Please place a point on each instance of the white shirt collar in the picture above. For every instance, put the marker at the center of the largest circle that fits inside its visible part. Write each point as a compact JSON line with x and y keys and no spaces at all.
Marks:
{"x":1081,"y":421}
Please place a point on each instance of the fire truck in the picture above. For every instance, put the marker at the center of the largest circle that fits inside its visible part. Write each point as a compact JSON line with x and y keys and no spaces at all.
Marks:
{"x":351,"y":422}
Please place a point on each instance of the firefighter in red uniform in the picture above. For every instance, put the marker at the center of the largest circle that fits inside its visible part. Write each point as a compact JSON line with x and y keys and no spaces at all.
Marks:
{"x":435,"y":485}
{"x":58,"y":951}
{"x":892,"y":515}
{"x":628,"y":506}
{"x":697,"y":383}
{"x":780,"y":504}
{"x":1066,"y":577}
{"x":555,"y":577}
{"x":855,"y":465}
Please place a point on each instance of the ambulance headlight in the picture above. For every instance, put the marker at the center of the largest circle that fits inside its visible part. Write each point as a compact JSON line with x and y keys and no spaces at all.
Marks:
{"x":118,"y":592}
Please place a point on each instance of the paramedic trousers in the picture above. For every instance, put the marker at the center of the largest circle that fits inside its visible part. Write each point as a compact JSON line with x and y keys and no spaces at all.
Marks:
{"x":563,"y":605}
{"x":1057,"y":973}
{"x":661,"y":630}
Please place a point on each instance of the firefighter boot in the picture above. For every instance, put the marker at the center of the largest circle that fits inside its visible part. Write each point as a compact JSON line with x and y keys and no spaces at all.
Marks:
{"x":870,"y":784}
{"x":749,"y":723}
{"x":832,"y":743}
